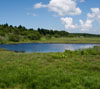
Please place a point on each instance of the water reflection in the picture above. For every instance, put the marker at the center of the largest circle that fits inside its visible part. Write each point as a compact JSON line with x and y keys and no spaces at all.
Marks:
{"x":45,"y":47}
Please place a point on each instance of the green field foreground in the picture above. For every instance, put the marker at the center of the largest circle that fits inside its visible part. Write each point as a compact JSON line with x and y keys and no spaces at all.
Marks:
{"x":68,"y":70}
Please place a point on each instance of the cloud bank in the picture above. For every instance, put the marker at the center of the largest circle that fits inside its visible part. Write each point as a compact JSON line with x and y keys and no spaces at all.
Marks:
{"x":92,"y":17}
{"x":61,"y":7}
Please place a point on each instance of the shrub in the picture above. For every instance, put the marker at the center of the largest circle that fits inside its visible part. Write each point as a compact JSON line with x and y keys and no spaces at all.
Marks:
{"x":14,"y":38}
{"x":34,"y":36}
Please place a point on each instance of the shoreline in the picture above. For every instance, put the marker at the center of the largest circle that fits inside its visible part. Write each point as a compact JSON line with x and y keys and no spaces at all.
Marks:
{"x":65,"y":40}
{"x":52,"y":42}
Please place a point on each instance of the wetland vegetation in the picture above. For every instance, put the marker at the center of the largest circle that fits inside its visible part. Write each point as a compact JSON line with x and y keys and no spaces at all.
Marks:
{"x":68,"y":70}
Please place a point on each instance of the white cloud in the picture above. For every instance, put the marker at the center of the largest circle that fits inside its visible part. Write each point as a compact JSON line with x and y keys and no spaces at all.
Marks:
{"x":91,"y":18}
{"x":95,"y":10}
{"x":39,"y":5}
{"x":68,"y":22}
{"x":61,"y":7}
{"x":95,"y":15}
{"x":85,"y":26}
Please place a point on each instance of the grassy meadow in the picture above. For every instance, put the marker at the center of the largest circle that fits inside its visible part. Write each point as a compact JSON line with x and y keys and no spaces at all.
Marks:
{"x":68,"y":70}
{"x":72,"y":40}
{"x":95,"y":40}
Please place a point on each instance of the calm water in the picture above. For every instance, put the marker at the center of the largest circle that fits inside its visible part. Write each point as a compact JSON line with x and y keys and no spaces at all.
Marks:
{"x":45,"y":47}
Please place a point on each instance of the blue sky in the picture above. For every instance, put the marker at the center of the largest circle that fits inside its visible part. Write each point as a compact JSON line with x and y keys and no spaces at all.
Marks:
{"x":33,"y":14}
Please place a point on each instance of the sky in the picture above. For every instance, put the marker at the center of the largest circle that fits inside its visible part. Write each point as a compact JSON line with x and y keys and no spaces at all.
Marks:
{"x":75,"y":16}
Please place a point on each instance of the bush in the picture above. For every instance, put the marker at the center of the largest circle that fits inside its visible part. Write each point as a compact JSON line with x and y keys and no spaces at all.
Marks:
{"x":14,"y":38}
{"x":34,"y":36}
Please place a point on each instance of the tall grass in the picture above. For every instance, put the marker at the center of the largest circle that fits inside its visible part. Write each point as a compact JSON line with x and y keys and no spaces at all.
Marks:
{"x":68,"y":70}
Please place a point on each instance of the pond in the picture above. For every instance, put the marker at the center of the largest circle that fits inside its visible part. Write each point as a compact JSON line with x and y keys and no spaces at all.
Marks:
{"x":45,"y":47}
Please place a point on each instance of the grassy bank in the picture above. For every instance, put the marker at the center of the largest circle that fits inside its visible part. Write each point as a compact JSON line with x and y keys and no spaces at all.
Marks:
{"x":68,"y":70}
{"x":95,"y":40}
{"x":73,"y":40}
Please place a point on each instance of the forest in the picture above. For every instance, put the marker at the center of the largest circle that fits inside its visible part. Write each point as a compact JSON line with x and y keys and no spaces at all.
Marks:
{"x":21,"y":33}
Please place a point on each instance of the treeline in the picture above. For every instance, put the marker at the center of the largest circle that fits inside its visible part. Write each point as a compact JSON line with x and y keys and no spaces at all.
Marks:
{"x":52,"y":33}
{"x":83,"y":35}
{"x":20,"y":33}
{"x":15,"y":34}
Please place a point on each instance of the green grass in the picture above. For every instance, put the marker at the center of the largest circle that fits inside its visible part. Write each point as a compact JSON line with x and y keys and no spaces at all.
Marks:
{"x":61,"y":40}
{"x":74,"y":40}
{"x":69,"y":70}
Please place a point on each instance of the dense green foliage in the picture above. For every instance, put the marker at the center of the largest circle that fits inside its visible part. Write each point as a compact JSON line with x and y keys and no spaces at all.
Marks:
{"x":22,"y":34}
{"x":54,"y":33}
{"x":16,"y":34}
{"x":69,"y":70}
